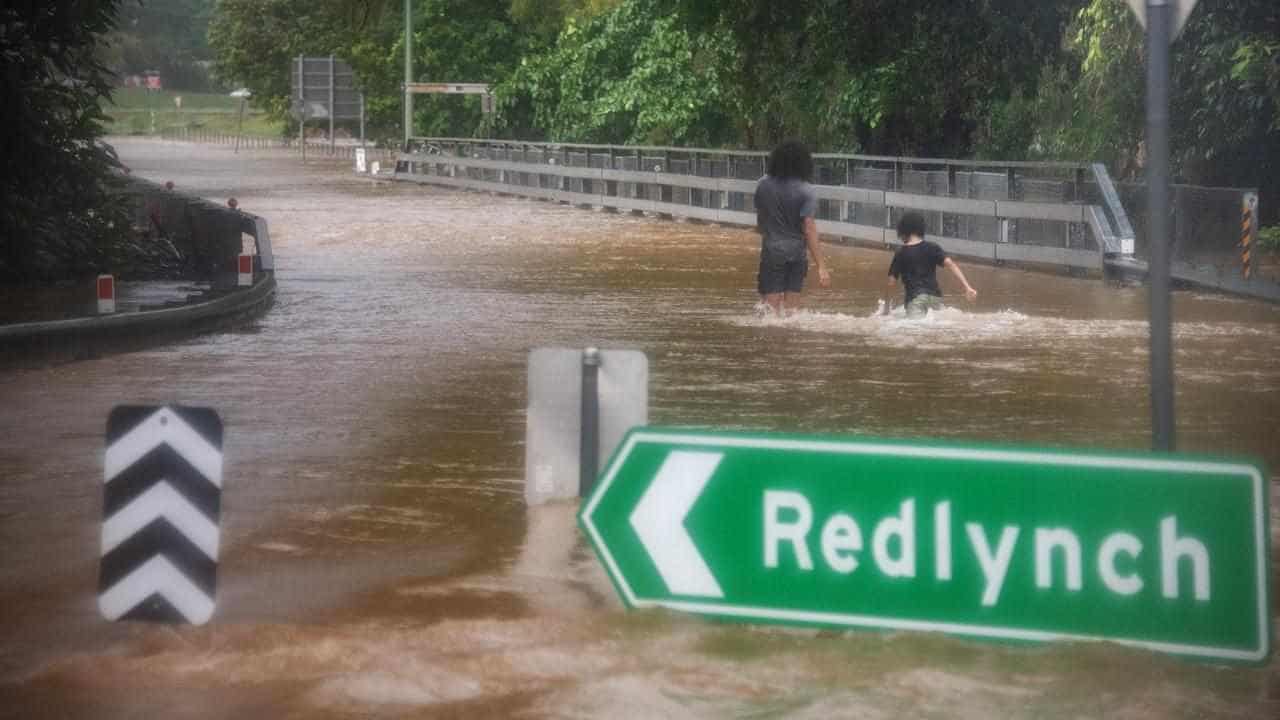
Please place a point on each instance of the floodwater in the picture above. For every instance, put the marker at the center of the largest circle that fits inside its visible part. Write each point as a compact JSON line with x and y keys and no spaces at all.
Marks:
{"x":378,"y":559}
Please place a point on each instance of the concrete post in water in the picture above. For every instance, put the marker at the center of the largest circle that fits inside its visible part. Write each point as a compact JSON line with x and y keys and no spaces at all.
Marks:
{"x":106,"y":294}
{"x":1159,"y":20}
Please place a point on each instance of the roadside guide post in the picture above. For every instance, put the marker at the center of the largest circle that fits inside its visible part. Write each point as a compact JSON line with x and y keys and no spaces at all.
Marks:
{"x":1163,"y":552}
{"x":105,"y":292}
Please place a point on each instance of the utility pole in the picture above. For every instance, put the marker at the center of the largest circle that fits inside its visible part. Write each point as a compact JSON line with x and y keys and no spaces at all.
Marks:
{"x":1159,"y":25}
{"x":408,"y":72}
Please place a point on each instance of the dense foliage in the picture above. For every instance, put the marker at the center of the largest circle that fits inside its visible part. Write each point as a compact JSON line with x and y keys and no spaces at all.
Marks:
{"x":58,"y":210}
{"x":1002,"y":79}
{"x":1225,"y":114}
{"x":632,"y":75}
{"x":166,"y":36}
{"x":1007,"y":79}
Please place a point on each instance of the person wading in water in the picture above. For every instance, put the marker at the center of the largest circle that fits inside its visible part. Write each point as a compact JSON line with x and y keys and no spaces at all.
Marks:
{"x":785,"y":208}
{"x":916,"y":264}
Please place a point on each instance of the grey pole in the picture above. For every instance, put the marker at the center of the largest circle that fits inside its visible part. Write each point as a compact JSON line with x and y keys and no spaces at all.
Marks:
{"x":1159,"y":23}
{"x":361,"y":119}
{"x":240,"y":125}
{"x":331,"y":108}
{"x":302,"y":105}
{"x":408,"y":72}
{"x":589,"y":449}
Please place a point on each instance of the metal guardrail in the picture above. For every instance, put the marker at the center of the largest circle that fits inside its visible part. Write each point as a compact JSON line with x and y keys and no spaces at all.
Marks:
{"x":1058,"y":214}
{"x":188,"y":208}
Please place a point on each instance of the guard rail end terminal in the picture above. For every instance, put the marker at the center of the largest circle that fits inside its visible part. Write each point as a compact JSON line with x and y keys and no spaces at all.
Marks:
{"x":215,"y":234}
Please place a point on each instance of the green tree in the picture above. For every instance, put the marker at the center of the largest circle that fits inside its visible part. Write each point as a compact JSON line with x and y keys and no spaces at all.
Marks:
{"x":58,"y":206}
{"x":255,"y":42}
{"x":546,"y":18}
{"x":884,"y":76}
{"x":631,"y":74}
{"x":167,"y":36}
{"x":1225,"y":105}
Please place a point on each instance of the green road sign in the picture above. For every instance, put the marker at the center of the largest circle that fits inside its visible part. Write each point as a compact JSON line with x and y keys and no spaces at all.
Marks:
{"x":1160,"y":551}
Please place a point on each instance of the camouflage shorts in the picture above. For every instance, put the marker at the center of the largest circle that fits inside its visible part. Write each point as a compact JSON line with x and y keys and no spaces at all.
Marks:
{"x":922,"y":304}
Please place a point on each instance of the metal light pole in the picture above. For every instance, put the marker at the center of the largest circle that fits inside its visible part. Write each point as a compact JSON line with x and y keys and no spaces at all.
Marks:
{"x":408,"y":72}
{"x":1159,"y":21}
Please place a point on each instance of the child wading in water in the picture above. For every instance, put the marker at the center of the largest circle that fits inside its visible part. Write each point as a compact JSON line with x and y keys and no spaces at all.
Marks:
{"x":916,"y":264}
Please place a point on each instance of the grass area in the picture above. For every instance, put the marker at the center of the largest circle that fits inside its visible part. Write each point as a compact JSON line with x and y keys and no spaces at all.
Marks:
{"x":126,"y":99}
{"x":136,"y":111}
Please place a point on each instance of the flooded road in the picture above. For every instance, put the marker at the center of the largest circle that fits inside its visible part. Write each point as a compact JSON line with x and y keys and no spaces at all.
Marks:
{"x":378,"y":559}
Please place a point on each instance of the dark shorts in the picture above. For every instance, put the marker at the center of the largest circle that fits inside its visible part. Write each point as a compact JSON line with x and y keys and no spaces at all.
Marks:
{"x":779,"y":275}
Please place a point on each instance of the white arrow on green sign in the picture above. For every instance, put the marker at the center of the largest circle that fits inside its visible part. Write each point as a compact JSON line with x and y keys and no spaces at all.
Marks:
{"x":1166,"y":552}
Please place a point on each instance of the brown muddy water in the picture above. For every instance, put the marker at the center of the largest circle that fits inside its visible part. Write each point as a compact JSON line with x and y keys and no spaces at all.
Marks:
{"x":378,"y":559}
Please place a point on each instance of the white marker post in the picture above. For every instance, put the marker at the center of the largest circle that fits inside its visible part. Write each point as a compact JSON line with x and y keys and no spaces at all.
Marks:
{"x":245,"y":266}
{"x":106,"y":288}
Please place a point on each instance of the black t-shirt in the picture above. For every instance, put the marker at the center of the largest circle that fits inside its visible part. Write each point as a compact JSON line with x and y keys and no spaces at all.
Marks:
{"x":916,"y":267}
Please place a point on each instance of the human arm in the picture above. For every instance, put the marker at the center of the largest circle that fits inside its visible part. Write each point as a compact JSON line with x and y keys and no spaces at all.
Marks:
{"x":969,"y":293}
{"x":809,"y":226}
{"x":811,"y":240}
{"x":894,"y":273}
{"x":759,"y":212}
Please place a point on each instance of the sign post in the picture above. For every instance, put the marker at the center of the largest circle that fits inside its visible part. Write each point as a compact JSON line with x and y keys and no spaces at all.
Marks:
{"x":408,"y":72}
{"x":1163,"y":425}
{"x":1157,"y":551}
{"x":581,"y":404}
{"x":1163,"y":20}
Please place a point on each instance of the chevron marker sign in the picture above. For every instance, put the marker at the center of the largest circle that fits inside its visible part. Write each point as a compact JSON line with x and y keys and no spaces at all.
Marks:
{"x":161,"y":500}
{"x":1167,"y":552}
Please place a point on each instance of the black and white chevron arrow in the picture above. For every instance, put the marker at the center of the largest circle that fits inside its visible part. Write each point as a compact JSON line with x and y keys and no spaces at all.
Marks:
{"x":162,"y":495}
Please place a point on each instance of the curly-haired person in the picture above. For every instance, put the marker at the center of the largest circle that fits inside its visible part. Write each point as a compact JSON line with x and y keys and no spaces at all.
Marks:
{"x":785,"y":208}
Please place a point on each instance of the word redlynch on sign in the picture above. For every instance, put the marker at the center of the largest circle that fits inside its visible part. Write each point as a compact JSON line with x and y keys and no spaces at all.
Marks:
{"x":1159,"y":551}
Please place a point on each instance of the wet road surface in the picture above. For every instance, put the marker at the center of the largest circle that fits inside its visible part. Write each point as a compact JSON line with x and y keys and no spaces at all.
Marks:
{"x":378,"y":559}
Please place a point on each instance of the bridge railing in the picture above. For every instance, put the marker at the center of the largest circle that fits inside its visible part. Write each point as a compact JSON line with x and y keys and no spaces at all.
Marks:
{"x":1057,"y":214}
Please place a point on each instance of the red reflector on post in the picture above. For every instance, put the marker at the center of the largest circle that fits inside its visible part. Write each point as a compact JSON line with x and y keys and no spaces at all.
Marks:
{"x":106,"y":294}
